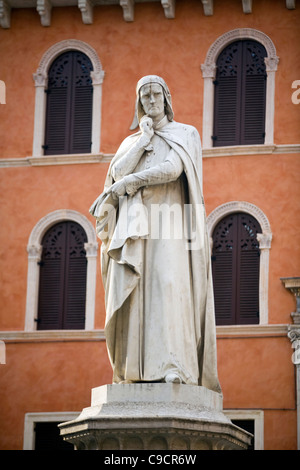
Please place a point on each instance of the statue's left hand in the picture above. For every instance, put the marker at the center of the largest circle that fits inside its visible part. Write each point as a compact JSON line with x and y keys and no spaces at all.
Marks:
{"x":118,"y":189}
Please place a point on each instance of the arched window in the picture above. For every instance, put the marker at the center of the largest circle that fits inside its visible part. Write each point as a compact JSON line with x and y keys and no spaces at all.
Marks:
{"x":235,"y":266}
{"x":62,"y":286}
{"x":255,"y":57}
{"x":68,"y":85}
{"x":69,"y":105}
{"x":240,"y":94}
{"x":62,"y":247}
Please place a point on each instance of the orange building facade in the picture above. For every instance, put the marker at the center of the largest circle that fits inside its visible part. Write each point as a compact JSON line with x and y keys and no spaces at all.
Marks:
{"x":46,"y":376}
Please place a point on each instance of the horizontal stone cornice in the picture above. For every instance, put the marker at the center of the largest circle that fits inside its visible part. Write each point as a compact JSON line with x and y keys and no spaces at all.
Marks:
{"x":86,"y":7}
{"x":88,"y":158}
{"x":228,"y":331}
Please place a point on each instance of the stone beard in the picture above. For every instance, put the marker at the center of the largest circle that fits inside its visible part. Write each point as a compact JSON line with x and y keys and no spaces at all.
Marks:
{"x":160,"y":322}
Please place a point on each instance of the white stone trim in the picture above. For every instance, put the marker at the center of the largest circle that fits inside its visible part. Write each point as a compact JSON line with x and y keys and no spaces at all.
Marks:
{"x":41,"y":80}
{"x":34,"y":249}
{"x":86,"y":8}
{"x":223,"y":331}
{"x":258,"y":417}
{"x":54,"y":336}
{"x":209,"y":71}
{"x":247,"y":6}
{"x":169,"y":8}
{"x":264,"y":240}
{"x":32,"y":418}
{"x":208,"y":7}
{"x":290,"y":4}
{"x":5,"y":11}
{"x":44,"y":8}
{"x":87,"y":158}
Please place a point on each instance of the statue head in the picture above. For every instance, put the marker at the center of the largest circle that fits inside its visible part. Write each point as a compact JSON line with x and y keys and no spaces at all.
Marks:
{"x":139,"y":110}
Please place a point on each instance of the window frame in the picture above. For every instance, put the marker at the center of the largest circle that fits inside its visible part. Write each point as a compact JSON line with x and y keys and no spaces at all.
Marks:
{"x":34,"y":249}
{"x":228,"y":259}
{"x":41,"y":82}
{"x":209,"y":74}
{"x":249,"y":414}
{"x":58,"y":272}
{"x":264,"y":240}
{"x":32,"y":418}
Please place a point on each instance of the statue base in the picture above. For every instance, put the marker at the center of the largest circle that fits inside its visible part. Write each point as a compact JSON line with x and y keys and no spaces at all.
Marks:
{"x":154,"y":416}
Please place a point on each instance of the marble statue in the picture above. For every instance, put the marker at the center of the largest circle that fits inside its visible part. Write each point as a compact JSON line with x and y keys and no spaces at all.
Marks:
{"x":160,"y":323}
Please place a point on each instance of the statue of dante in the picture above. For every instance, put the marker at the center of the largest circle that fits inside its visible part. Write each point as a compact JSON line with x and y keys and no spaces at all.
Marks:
{"x":160,"y":323}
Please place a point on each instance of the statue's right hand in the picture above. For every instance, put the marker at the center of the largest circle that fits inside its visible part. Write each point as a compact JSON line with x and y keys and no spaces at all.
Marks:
{"x":117,"y":189}
{"x":146,"y":126}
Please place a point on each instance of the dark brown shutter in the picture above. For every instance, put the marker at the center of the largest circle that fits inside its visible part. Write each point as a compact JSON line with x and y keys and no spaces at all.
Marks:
{"x":69,"y":105}
{"x":62,"y":288}
{"x":235,"y":262}
{"x":240,"y":95}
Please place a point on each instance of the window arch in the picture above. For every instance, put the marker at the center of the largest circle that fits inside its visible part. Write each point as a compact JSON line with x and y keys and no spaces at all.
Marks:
{"x":41,"y":86}
{"x":264,"y":239}
{"x":209,"y":69}
{"x":35,"y":259}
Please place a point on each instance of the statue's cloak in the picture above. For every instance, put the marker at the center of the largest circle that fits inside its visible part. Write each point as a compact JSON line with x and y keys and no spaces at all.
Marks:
{"x":122,"y":252}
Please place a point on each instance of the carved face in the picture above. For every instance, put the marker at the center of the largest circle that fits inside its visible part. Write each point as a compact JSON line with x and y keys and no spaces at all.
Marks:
{"x":153,"y":101}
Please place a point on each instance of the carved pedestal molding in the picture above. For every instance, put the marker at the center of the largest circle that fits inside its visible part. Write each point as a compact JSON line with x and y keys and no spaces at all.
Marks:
{"x":154,"y":416}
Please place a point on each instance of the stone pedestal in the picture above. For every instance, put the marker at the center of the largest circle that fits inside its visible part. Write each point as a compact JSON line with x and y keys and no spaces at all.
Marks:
{"x":154,"y":416}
